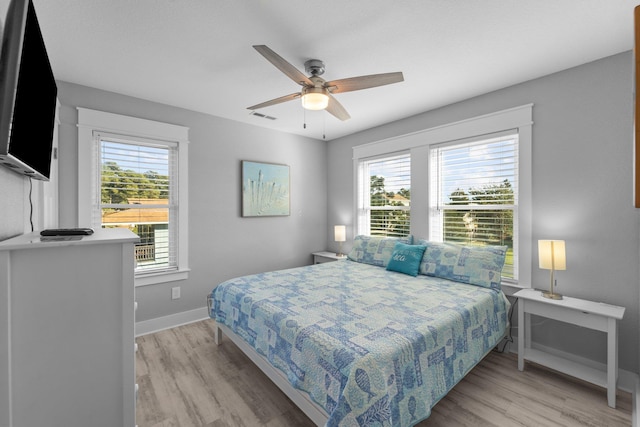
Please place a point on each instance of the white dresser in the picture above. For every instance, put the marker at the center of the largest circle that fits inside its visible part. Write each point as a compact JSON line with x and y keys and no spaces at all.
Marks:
{"x":67,"y":331}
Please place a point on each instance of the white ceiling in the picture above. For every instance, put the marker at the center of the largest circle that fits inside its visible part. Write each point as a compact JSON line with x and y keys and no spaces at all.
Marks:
{"x":198,"y":55}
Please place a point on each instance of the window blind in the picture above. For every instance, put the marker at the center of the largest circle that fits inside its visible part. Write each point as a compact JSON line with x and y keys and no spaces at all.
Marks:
{"x":137,"y":190}
{"x":474,"y":193}
{"x":384,"y":195}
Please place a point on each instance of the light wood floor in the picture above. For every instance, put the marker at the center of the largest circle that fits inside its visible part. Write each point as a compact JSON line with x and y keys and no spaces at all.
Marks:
{"x":186,"y":380}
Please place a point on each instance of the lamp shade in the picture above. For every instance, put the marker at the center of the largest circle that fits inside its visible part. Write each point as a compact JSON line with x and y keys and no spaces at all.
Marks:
{"x":340,"y":233}
{"x":314,"y":98}
{"x":551,"y":254}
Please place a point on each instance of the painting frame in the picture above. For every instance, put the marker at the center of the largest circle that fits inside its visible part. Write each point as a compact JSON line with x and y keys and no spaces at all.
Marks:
{"x":265,"y":189}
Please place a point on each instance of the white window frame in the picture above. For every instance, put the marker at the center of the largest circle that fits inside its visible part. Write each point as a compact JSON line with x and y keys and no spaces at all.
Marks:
{"x":418,"y":144}
{"x":92,"y":121}
{"x":437,"y":207}
{"x":363,"y":204}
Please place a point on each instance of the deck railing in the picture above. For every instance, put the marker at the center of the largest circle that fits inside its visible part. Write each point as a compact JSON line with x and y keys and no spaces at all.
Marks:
{"x":145,"y":252}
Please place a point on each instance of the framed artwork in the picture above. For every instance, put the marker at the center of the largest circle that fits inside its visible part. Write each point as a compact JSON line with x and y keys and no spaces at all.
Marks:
{"x":265,"y":189}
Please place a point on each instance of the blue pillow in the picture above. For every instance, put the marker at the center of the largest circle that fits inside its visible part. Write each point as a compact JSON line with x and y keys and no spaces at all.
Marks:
{"x":475,"y":265}
{"x":375,"y":250}
{"x":406,"y":258}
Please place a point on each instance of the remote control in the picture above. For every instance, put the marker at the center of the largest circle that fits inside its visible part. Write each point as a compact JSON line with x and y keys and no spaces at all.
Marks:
{"x":67,"y":232}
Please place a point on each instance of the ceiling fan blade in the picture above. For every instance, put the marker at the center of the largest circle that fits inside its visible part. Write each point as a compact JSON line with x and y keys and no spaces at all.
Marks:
{"x":363,"y":82}
{"x":336,"y":109}
{"x":275,"y":101}
{"x":281,"y":64}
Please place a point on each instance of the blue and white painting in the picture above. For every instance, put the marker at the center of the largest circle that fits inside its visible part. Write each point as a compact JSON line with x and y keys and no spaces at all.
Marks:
{"x":265,"y":189}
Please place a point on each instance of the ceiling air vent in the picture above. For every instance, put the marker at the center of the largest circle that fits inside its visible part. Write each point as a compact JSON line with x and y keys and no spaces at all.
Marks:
{"x":253,"y":113}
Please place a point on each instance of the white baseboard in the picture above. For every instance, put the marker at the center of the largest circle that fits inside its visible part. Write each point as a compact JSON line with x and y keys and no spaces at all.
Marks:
{"x":150,"y":326}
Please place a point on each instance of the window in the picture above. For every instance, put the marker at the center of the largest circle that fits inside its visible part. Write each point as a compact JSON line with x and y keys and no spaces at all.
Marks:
{"x":474,"y":193}
{"x":137,"y":191}
{"x":133,"y":175}
{"x":469,"y":182}
{"x":385,"y":196}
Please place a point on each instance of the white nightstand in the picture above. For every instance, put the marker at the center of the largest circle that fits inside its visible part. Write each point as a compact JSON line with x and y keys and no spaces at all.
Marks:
{"x":588,"y":314}
{"x":324,"y":256}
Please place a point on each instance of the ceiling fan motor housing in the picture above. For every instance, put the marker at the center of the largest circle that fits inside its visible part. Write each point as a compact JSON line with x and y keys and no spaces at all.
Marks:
{"x":313,"y":89}
{"x":315,"y":67}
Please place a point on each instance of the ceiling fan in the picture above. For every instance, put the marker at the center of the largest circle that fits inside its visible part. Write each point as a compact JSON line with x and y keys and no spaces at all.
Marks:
{"x":317,"y":93}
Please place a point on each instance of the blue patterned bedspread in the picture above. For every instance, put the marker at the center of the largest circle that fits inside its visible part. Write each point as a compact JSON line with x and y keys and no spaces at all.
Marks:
{"x":372,"y":347}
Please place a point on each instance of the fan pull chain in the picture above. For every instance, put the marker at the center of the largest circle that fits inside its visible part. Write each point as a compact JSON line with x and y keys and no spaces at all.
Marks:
{"x":324,"y":125}
{"x":304,"y":118}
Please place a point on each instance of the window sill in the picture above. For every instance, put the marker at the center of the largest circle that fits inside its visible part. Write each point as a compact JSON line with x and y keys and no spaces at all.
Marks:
{"x":155,"y":278}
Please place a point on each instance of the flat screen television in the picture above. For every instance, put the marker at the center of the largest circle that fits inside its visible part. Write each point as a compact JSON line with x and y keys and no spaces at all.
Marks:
{"x":28,"y":95}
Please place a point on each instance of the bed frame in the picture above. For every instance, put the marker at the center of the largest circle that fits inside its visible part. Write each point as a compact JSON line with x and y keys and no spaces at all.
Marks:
{"x":301,"y":399}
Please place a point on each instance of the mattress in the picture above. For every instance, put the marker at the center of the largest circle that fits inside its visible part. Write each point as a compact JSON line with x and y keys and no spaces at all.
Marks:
{"x":370,"y":346}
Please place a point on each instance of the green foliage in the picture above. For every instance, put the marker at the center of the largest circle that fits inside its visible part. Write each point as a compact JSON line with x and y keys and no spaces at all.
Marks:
{"x":378,"y":195}
{"x":477,"y":219}
{"x":126,"y":186}
{"x":472,"y":222}
{"x":388,"y":222}
{"x":475,"y":224}
{"x":405,"y":192}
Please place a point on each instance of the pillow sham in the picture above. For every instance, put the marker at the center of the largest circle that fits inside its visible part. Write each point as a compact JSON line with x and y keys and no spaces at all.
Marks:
{"x":406,"y":258}
{"x":375,"y":250}
{"x":475,"y":265}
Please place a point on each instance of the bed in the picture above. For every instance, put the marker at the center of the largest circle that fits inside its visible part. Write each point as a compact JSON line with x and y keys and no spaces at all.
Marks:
{"x":358,"y":343}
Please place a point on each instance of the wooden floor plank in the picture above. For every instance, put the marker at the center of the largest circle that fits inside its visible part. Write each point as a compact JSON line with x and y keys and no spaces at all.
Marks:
{"x":186,"y":380}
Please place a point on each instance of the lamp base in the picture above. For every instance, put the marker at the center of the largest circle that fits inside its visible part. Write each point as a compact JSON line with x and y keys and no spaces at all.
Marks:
{"x":551,"y":295}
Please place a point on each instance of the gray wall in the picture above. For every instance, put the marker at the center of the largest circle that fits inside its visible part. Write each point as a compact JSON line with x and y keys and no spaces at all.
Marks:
{"x":12,"y":199}
{"x":582,"y":184}
{"x":11,"y":191}
{"x":582,"y":189}
{"x":222,"y":244}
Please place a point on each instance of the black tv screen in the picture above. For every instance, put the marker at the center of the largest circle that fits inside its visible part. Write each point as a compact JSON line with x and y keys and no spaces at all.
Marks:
{"x":28,"y":94}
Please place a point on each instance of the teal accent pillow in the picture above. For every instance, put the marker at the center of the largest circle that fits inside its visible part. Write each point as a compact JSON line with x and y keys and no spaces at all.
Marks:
{"x":375,"y":250}
{"x":406,"y":259}
{"x":475,"y":265}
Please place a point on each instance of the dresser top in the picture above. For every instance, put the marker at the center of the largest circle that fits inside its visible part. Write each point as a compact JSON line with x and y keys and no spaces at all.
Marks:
{"x":100,"y":236}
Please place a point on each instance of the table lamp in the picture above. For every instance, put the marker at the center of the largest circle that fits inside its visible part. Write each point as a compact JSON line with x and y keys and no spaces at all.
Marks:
{"x":340,"y":235}
{"x":552,"y":257}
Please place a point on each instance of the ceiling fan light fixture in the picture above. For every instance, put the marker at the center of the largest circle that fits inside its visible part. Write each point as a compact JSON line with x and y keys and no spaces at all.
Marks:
{"x":315,"y":98}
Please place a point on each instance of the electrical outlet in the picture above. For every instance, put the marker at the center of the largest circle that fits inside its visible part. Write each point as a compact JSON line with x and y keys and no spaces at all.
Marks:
{"x":175,"y":292}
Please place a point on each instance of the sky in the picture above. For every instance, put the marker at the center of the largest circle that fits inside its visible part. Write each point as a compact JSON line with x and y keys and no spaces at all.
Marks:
{"x":494,"y":160}
{"x":141,"y":159}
